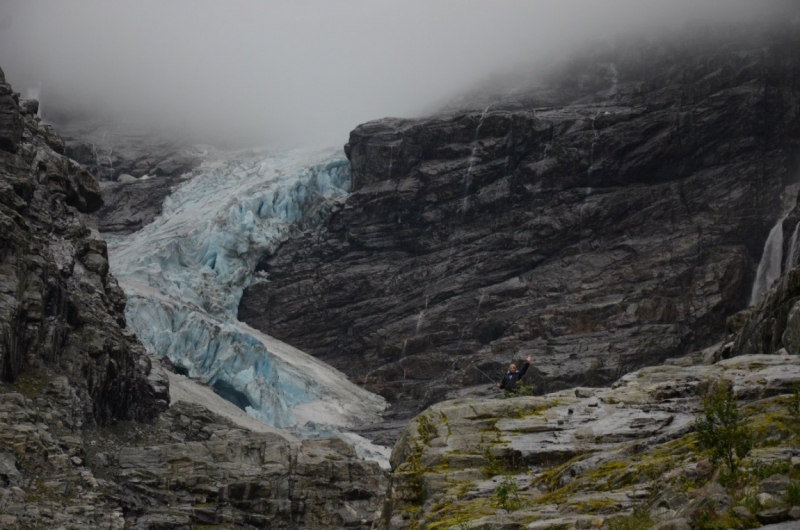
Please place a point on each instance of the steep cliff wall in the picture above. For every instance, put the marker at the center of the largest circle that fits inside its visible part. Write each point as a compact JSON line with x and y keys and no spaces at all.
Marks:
{"x":60,"y":310}
{"x":598,"y":236}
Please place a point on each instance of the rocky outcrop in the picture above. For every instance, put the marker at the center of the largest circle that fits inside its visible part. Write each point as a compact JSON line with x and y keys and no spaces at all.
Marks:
{"x":60,"y":310}
{"x":191,"y":468}
{"x":109,"y":151}
{"x":129,"y":206}
{"x":626,"y":456}
{"x":137,"y":169}
{"x":771,"y":325}
{"x":598,"y":236}
{"x":582,"y":458}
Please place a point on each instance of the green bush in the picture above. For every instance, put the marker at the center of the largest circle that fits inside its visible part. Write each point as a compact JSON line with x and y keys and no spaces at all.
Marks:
{"x":794,"y":403}
{"x":751,"y":502}
{"x":638,"y":520}
{"x":505,"y":495}
{"x":708,"y":519}
{"x":722,"y":431}
{"x":764,"y":470}
{"x":520,"y":390}
{"x":792,"y":495}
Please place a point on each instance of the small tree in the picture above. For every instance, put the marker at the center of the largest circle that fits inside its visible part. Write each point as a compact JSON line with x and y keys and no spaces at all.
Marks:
{"x":722,"y":431}
{"x":794,"y":402}
{"x":506,"y":496}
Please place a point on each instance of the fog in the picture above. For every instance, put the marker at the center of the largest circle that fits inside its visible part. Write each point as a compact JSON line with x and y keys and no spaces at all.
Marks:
{"x":304,"y":72}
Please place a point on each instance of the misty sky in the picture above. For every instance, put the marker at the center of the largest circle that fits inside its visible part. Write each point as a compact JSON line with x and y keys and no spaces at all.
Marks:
{"x":301,"y":72}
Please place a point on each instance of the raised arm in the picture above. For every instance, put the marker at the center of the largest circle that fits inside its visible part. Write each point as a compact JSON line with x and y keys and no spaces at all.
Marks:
{"x":525,"y":366}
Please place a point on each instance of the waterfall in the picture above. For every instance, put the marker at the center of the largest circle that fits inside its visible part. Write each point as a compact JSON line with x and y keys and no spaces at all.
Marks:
{"x":614,"y":80}
{"x":769,"y":269}
{"x":791,"y":255}
{"x":472,"y":158}
{"x":419,"y":320}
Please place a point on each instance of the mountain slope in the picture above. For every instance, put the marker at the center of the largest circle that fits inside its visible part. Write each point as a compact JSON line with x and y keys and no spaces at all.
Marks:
{"x":598,"y":236}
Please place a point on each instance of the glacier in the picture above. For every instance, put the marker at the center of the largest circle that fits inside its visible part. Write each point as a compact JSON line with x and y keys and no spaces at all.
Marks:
{"x":184,"y":275}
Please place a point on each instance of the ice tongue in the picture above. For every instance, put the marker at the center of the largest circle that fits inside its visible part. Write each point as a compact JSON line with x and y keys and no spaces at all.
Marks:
{"x":185,"y":272}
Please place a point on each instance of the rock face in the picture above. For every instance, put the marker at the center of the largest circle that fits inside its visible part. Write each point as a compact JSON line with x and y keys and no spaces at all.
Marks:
{"x":129,"y":206}
{"x":598,"y":236}
{"x":137,"y":169}
{"x":612,"y":457}
{"x":192,"y":467}
{"x":60,"y":310}
{"x":773,"y":324}
{"x":577,"y":459}
{"x":109,"y":152}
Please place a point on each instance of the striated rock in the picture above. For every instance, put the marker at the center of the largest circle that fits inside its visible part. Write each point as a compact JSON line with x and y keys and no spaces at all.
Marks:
{"x":772,"y":323}
{"x":60,"y":310}
{"x":204,"y":462}
{"x":605,"y":233}
{"x":773,"y":515}
{"x":130,"y":206}
{"x":774,"y":485}
{"x":674,"y":524}
{"x":620,"y":454}
{"x":628,"y":446}
{"x":110,"y":150}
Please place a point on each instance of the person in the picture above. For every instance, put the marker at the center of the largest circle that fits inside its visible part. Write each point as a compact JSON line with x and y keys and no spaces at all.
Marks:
{"x":513,"y":375}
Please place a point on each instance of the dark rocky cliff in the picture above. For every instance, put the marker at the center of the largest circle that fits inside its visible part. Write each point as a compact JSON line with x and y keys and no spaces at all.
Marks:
{"x":598,"y":236}
{"x":60,"y":309}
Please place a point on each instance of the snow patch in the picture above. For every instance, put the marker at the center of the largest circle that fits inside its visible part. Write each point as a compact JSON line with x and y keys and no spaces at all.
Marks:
{"x":186,"y":390}
{"x":366,"y":450}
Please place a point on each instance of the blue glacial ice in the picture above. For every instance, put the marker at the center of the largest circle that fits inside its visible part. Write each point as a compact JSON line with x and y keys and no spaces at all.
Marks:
{"x":184,"y":275}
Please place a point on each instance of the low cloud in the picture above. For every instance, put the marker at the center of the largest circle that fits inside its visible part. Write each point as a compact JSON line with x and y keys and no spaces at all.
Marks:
{"x":303,"y":72}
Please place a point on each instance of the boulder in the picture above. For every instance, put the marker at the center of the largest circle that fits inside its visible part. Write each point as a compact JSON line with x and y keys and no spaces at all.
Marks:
{"x":773,"y":515}
{"x":774,"y":485}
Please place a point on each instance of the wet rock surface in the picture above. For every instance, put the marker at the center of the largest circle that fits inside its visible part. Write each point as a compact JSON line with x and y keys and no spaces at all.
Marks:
{"x":191,"y":467}
{"x":137,"y":169}
{"x":625,"y":456}
{"x":577,"y":461}
{"x":601,"y":234}
{"x":129,"y":206}
{"x":59,"y":307}
{"x":109,"y":151}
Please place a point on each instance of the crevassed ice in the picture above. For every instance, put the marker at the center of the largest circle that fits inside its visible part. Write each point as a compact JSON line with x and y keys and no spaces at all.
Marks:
{"x":184,"y":275}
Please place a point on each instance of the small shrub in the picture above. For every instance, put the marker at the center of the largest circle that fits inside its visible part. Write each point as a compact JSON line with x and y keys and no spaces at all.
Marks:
{"x":494,"y":465}
{"x":505,"y":495}
{"x":498,"y":465}
{"x":792,"y":495}
{"x":752,"y":503}
{"x":722,"y":431}
{"x":638,"y":520}
{"x":709,"y":519}
{"x":762,"y":470}
{"x":794,"y":403}
{"x":520,"y":390}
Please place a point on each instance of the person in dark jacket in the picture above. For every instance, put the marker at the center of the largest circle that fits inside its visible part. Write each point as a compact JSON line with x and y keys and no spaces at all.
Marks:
{"x":513,"y":375}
